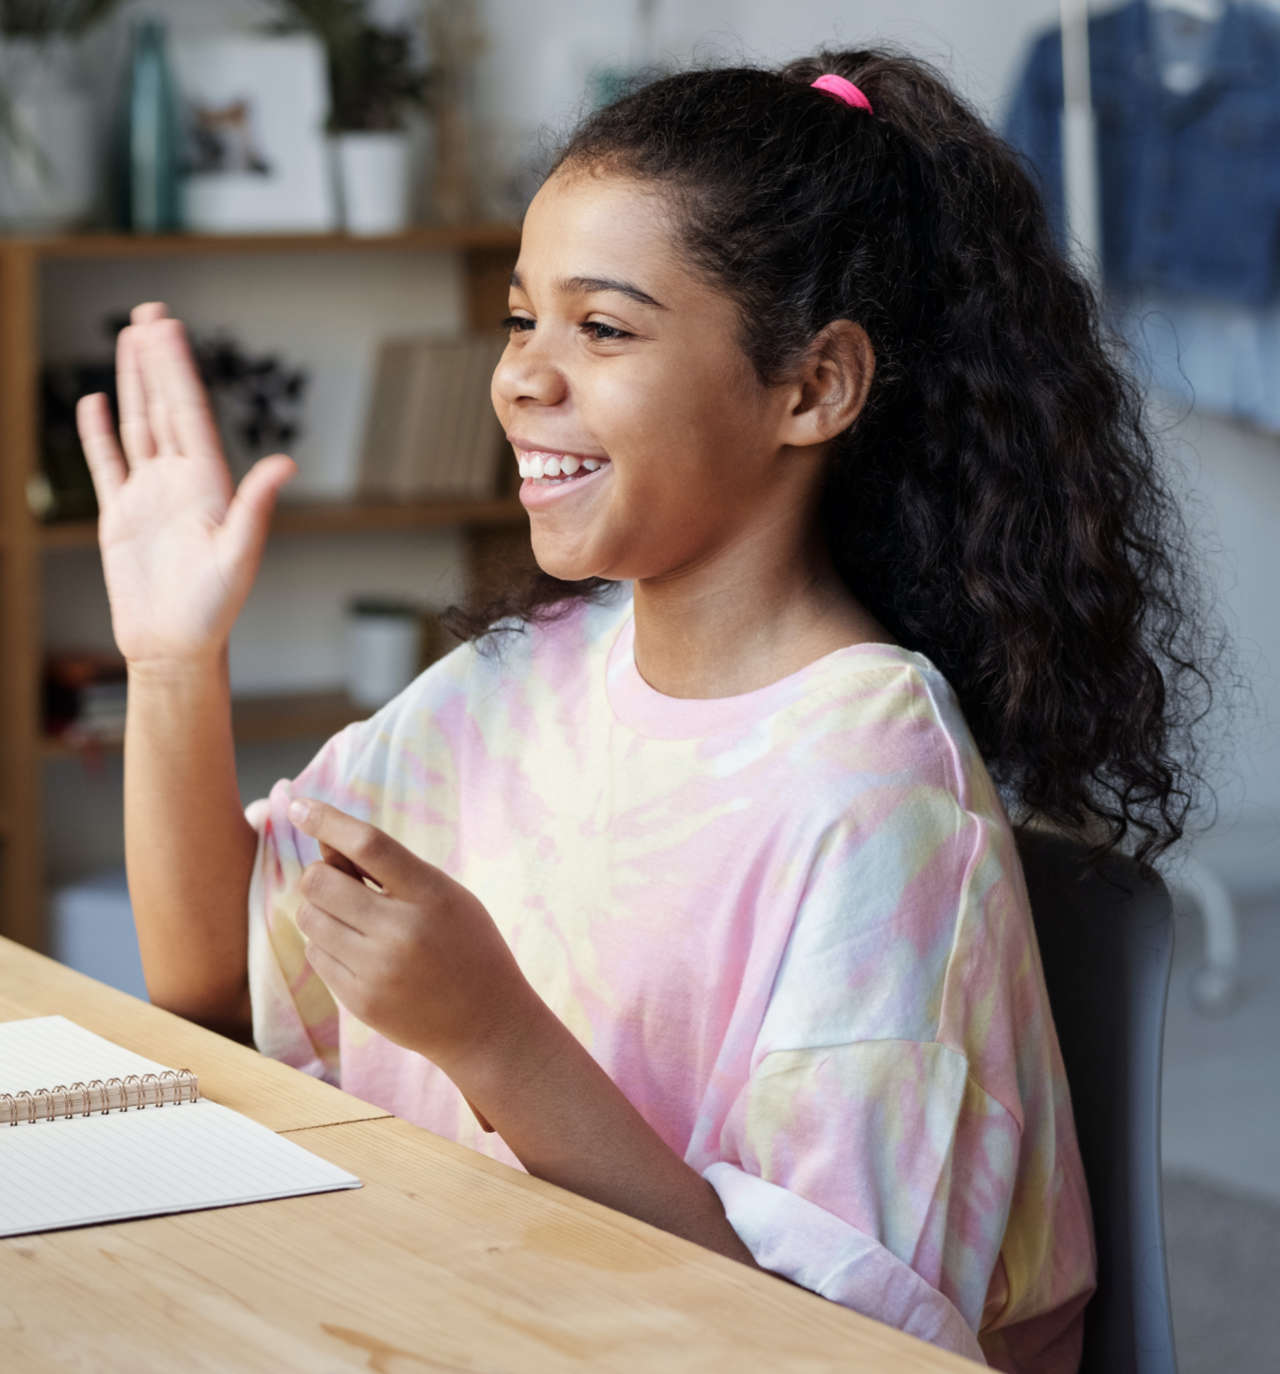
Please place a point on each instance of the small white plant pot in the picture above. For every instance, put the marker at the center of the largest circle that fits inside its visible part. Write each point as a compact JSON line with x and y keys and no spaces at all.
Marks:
{"x":376,"y":185}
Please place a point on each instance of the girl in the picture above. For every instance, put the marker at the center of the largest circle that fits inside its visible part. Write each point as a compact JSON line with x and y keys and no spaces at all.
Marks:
{"x":685,"y":883}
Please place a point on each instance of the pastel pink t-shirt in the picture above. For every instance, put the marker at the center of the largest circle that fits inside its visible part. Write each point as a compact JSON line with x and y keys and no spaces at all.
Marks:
{"x":791,"y":926}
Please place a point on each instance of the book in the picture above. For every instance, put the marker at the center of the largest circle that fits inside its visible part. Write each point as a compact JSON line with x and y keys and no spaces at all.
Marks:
{"x":426,"y":460}
{"x":484,"y":445}
{"x":386,"y":417}
{"x":430,"y":431}
{"x":451,"y":472}
{"x":91,"y":1132}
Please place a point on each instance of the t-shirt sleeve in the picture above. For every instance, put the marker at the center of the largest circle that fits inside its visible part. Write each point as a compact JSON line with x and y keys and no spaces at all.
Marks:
{"x":867,"y":1155}
{"x":877,"y":1175}
{"x":295,"y":1016}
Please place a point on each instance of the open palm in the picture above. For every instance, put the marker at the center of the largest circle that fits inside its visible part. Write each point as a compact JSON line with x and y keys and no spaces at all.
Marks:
{"x":180,"y":547}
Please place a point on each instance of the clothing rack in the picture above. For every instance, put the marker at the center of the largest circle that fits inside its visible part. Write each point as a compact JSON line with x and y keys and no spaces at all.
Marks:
{"x":1079,"y":156}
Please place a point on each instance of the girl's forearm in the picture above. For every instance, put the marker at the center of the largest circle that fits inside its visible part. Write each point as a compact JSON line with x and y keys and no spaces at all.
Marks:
{"x":567,"y":1122}
{"x":188,"y":847}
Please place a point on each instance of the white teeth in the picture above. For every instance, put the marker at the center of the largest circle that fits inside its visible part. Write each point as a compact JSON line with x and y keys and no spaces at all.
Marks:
{"x":552,"y":465}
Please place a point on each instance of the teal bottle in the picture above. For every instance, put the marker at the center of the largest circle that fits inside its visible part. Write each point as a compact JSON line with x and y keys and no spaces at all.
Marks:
{"x":149,"y":191}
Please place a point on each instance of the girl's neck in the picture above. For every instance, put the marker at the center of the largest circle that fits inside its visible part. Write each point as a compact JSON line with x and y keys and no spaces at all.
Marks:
{"x":708,"y":636}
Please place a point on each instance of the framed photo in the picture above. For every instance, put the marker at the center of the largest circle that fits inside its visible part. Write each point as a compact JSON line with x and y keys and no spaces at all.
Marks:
{"x":255,"y":157}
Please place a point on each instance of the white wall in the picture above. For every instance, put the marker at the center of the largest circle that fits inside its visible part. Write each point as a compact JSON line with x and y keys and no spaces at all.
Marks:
{"x":326,"y":313}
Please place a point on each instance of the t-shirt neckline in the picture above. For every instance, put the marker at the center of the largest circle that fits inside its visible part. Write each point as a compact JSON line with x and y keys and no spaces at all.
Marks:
{"x":650,"y":712}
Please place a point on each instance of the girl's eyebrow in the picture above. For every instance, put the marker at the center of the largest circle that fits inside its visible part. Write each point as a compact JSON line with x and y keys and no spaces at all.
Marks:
{"x":582,"y":285}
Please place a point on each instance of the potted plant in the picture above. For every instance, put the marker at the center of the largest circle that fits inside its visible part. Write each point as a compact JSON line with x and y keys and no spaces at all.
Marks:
{"x":374,"y":81}
{"x":48,"y":178}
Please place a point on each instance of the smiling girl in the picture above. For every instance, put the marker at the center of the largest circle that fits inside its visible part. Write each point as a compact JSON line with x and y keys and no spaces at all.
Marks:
{"x":688,"y":882}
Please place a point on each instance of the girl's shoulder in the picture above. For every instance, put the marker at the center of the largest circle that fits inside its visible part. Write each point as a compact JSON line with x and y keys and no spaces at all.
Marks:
{"x":903,"y":710}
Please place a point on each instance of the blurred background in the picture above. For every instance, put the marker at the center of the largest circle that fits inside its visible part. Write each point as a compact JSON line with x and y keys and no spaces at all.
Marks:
{"x":328,"y":192}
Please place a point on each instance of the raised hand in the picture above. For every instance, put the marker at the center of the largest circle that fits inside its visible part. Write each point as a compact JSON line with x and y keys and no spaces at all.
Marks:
{"x":180,"y":548}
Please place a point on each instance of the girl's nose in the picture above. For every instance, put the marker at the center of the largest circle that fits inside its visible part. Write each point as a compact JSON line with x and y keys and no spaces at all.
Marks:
{"x":527,"y":374}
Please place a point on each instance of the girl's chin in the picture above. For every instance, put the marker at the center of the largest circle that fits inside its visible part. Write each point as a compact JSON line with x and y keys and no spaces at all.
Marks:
{"x":561,"y":563}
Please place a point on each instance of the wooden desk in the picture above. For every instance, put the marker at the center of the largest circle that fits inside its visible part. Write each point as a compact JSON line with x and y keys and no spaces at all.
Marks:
{"x":444,"y":1260}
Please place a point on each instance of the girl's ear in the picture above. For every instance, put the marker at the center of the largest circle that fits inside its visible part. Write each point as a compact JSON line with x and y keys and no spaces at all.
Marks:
{"x":832,"y":386}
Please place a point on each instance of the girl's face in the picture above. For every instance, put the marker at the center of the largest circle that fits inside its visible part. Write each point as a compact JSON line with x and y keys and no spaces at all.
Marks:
{"x":619,"y":355}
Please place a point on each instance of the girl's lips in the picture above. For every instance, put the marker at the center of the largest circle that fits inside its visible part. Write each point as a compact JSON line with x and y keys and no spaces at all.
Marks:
{"x":536,"y":495}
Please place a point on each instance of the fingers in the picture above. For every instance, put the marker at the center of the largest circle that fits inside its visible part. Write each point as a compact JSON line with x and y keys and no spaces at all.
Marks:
{"x":334,"y":974}
{"x":164,"y":407}
{"x":172,"y":379}
{"x":393,"y":867}
{"x":341,"y":863}
{"x":329,"y":944}
{"x":248,"y":518}
{"x":341,"y":899}
{"x":326,"y":915}
{"x":136,"y":430}
{"x":131,"y":396}
{"x":344,"y":865}
{"x":107,"y":466}
{"x":152,"y":370}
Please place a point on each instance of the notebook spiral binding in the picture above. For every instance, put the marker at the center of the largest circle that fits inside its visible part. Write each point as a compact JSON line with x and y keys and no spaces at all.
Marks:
{"x":131,"y":1093}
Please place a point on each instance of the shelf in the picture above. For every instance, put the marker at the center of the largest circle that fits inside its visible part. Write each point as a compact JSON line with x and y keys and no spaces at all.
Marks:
{"x":425,"y":238}
{"x":343,"y":516}
{"x":254,"y":719}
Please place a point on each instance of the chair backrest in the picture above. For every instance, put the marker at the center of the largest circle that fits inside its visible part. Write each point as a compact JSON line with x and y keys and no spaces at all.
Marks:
{"x":1106,"y":942}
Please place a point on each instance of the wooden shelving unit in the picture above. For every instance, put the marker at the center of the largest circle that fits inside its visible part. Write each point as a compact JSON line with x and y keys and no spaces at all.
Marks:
{"x":495,"y":529}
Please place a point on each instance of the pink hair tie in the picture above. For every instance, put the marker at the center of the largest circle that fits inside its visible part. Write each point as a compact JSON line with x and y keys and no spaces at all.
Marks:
{"x":843,"y":90}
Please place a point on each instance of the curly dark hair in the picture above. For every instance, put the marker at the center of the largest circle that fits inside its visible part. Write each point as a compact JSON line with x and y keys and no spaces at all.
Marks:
{"x":998,"y":504}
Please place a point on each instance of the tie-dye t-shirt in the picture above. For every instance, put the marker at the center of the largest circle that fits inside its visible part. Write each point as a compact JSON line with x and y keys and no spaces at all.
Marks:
{"x":792,"y":927}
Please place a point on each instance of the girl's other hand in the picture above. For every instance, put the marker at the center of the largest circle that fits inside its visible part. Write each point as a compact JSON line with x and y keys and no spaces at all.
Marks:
{"x":421,"y":961}
{"x":180,"y":549}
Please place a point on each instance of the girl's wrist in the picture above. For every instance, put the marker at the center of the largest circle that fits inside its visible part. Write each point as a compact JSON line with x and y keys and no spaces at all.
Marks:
{"x":509,"y":1057}
{"x":178,"y":672}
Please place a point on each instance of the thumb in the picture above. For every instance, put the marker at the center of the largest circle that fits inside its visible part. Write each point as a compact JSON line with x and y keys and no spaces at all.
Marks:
{"x":248,"y":517}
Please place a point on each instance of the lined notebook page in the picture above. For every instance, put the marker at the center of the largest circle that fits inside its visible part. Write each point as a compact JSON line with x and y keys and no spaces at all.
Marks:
{"x":43,"y":1051}
{"x":83,"y":1169}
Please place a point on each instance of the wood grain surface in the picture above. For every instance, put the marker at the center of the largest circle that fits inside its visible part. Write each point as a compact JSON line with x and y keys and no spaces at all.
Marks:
{"x":443,"y":1260}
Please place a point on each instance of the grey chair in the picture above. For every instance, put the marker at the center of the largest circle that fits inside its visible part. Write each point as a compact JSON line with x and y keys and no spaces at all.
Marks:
{"x":1106,"y":942}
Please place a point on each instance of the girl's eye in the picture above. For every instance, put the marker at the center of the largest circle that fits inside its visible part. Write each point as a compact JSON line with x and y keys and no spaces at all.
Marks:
{"x":603,"y":333}
{"x":609,"y":331}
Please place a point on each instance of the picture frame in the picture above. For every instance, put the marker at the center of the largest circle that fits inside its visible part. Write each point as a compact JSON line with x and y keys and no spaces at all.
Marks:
{"x":255,"y":155}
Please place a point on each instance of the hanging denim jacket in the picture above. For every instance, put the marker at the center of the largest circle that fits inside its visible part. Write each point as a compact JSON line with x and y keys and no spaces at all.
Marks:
{"x":1189,"y":184}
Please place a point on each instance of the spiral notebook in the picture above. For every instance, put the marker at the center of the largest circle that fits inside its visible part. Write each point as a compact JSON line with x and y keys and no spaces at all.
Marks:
{"x":91,"y":1132}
